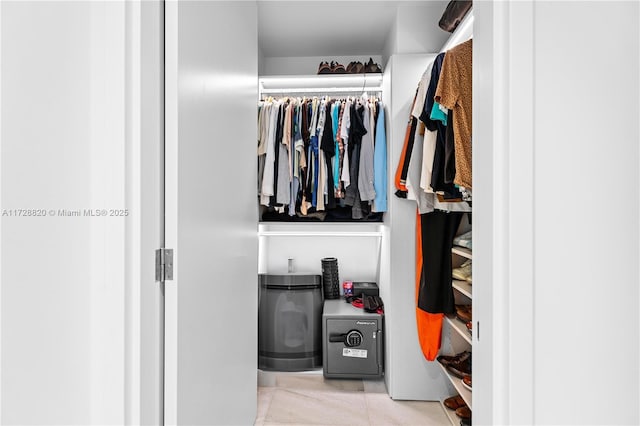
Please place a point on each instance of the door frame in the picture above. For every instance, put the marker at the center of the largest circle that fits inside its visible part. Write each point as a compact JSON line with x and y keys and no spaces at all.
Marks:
{"x":144,"y":71}
{"x":171,"y":208}
{"x":503,"y":78}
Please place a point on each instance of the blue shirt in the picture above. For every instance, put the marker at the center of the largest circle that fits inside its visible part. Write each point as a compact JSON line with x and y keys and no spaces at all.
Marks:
{"x":380,"y":163}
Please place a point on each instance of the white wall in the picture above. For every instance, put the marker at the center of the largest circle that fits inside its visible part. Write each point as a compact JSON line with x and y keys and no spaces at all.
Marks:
{"x":586,"y":252}
{"x":358,"y":255}
{"x":557,"y":193}
{"x":415,"y":23}
{"x":63,"y":278}
{"x":391,"y":42}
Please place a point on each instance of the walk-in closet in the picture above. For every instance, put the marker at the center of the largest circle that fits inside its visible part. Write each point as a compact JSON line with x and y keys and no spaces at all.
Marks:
{"x":385,"y":249}
{"x":376,"y":246}
{"x":141,"y":218}
{"x":373,"y":244}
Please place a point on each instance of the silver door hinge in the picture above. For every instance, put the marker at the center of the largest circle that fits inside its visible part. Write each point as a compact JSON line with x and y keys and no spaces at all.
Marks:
{"x":164,"y":264}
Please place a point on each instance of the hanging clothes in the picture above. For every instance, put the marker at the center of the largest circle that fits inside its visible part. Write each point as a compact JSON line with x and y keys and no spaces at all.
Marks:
{"x":430,"y":119}
{"x":429,"y":325}
{"x":420,"y":177}
{"x":380,"y":164}
{"x":403,"y":164}
{"x":454,"y":92}
{"x":267,"y":188}
{"x":438,"y":229}
{"x":316,"y":157}
{"x":356,"y":132}
{"x":329,"y":149}
{"x":365,"y":171}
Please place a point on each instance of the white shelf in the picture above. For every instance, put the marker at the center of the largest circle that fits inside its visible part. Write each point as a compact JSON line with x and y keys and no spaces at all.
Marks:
{"x":312,"y":229}
{"x":463,"y":287}
{"x":320,"y":83}
{"x":460,"y":328}
{"x":451,"y":414}
{"x":457,"y":383}
{"x":462,"y":251}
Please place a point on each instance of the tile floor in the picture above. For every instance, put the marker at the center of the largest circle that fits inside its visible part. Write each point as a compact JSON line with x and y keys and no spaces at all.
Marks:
{"x":310,"y":399}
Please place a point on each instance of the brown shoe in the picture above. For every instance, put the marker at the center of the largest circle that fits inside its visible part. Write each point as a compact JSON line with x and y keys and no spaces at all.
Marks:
{"x":357,"y":68}
{"x":324,"y":68}
{"x":460,"y":368}
{"x":454,"y":402}
{"x":463,"y":312}
{"x":464,"y":413}
{"x":449,"y":359}
{"x":466,"y":381}
{"x":372,"y":67}
{"x":338,"y":69}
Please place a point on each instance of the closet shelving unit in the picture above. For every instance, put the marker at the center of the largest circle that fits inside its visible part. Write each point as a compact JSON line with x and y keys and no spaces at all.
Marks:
{"x":458,"y":334}
{"x":332,"y":85}
{"x":323,"y":235}
{"x":457,"y":384}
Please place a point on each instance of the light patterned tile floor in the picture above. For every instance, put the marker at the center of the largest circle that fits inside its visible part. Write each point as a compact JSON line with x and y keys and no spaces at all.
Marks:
{"x":310,"y":399}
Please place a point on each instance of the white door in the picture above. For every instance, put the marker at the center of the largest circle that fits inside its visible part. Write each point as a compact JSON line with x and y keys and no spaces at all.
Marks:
{"x":211,"y":212}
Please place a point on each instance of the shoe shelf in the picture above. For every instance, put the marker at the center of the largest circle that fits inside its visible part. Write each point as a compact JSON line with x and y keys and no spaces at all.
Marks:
{"x":459,"y":327}
{"x":457,"y":384}
{"x":462,"y":251}
{"x":463,"y":287}
{"x":451,"y":414}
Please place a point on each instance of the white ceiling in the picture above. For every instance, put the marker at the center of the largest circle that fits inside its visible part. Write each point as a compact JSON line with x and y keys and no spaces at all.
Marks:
{"x":336,"y":28}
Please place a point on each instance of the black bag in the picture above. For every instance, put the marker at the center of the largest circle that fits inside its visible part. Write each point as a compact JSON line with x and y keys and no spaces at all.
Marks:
{"x":453,"y":14}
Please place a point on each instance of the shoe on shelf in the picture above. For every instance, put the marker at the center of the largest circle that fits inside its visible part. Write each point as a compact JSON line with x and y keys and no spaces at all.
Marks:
{"x":324,"y":68}
{"x":454,"y":402}
{"x":463,"y":240}
{"x":460,"y":368}
{"x":338,"y":68}
{"x":463,"y":313}
{"x":464,"y":413}
{"x":372,"y":67}
{"x":355,"y":67}
{"x":448,"y":359}
{"x":466,"y":382}
{"x":462,"y":272}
